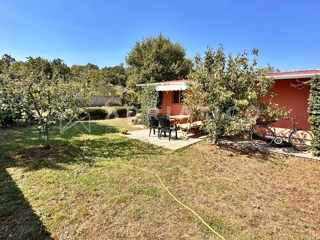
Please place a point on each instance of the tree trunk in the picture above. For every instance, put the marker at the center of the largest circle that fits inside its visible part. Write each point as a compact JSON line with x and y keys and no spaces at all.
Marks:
{"x":215,"y":138}
{"x":47,"y":137}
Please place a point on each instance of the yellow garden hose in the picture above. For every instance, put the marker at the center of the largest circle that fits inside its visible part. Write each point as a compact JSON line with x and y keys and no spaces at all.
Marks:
{"x":164,"y":186}
{"x":177,"y":200}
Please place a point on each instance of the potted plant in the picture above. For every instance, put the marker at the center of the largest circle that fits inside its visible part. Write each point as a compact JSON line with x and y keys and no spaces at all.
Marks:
{"x":123,"y":131}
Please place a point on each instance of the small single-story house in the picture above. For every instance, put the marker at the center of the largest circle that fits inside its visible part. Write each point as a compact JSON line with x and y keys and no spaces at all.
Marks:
{"x":289,"y":88}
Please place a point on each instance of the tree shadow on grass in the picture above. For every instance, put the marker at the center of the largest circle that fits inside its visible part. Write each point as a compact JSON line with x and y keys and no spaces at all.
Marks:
{"x":248,"y":150}
{"x":17,"y":218}
{"x":37,"y":157}
{"x":21,"y":149}
{"x":29,"y":135}
{"x":71,"y":147}
{"x":26,"y":146}
{"x":246,"y":147}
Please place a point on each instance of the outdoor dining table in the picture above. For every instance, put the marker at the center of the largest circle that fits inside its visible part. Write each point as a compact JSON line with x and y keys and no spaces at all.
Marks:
{"x":179,"y":118}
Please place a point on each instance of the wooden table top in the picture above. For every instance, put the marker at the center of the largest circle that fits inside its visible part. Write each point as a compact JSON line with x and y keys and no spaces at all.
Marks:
{"x":179,"y":116}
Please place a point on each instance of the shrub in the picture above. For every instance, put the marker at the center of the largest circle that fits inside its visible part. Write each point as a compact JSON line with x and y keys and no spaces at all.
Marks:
{"x":117,"y":112}
{"x":94,"y":113}
{"x":314,"y":113}
{"x":8,"y":117}
{"x":113,"y":103}
{"x":149,"y":98}
{"x":98,"y":113}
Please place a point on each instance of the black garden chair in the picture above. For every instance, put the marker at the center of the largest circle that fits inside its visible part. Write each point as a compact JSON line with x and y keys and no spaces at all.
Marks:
{"x":153,"y":123}
{"x":166,"y":127}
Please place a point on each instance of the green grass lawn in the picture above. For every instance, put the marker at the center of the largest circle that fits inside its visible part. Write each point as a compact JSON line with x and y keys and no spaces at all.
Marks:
{"x":96,"y":184}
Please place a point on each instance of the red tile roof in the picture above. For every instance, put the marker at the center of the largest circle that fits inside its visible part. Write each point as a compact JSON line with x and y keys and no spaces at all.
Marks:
{"x":275,"y":75}
{"x":299,"y":72}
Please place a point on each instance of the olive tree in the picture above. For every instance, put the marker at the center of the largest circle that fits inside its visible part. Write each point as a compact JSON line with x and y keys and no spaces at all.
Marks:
{"x":229,"y":90}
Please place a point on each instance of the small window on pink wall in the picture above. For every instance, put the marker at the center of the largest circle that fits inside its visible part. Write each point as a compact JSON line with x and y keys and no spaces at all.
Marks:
{"x":177,"y":97}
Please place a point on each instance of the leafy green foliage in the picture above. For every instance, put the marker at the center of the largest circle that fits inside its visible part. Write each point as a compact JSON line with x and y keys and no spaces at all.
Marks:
{"x":101,"y":113}
{"x":117,"y":112}
{"x":105,"y":79}
{"x":42,"y":88}
{"x":156,"y":59}
{"x":130,"y":98}
{"x":225,"y":87}
{"x":149,"y":97}
{"x":93,"y":113}
{"x":114,"y":75}
{"x":60,"y":68}
{"x":102,"y":88}
{"x":314,"y":113}
{"x":5,"y":62}
{"x":270,"y":112}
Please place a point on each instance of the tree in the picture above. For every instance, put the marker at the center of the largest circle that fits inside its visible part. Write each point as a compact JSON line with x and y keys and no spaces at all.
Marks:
{"x":101,"y":88}
{"x":229,"y":90}
{"x":156,"y":59}
{"x":314,"y":113}
{"x":90,"y":69}
{"x":271,"y":69}
{"x":51,"y":96}
{"x":92,"y":66}
{"x":114,"y":75}
{"x":78,"y":70}
{"x":130,"y":98}
{"x":5,"y":62}
{"x":60,"y":68}
{"x":8,"y":59}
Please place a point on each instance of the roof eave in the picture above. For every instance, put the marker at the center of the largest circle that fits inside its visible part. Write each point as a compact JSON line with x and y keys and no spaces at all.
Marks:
{"x":293,"y":76}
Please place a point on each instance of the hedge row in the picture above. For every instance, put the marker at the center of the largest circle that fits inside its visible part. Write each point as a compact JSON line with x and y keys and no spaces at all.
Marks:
{"x":314,"y":113}
{"x":8,"y":118}
{"x":98,"y":113}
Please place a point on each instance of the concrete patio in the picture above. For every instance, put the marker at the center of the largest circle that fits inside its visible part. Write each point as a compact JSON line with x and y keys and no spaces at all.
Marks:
{"x":182,"y":142}
{"x":173,"y":144}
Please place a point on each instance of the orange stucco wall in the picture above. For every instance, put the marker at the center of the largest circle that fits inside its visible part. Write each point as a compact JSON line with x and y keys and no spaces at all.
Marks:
{"x":293,"y":98}
{"x":172,"y":108}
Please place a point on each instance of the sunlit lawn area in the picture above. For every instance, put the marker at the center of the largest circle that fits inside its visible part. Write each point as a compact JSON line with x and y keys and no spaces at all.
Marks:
{"x":96,"y":184}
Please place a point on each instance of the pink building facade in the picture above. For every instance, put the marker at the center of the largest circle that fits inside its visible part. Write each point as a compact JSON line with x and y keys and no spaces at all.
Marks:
{"x":293,"y":93}
{"x":289,"y":88}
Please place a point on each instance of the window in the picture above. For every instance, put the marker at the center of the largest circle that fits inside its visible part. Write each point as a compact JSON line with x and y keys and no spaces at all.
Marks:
{"x":177,"y":97}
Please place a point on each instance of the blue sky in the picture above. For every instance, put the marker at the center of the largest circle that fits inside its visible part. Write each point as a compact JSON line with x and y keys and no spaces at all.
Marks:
{"x":103,"y":32}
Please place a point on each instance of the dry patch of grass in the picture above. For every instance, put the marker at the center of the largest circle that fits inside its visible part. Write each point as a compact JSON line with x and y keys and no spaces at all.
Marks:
{"x":240,"y":194}
{"x":265,"y":195}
